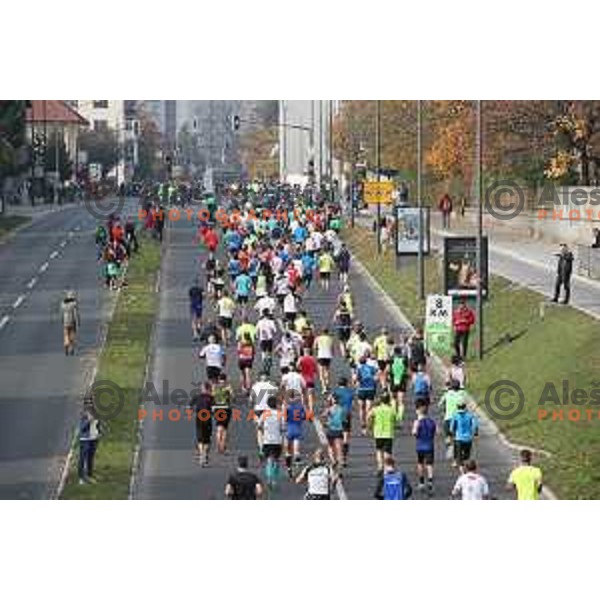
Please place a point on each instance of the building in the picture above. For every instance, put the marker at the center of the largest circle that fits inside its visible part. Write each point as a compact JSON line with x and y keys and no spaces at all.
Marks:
{"x":119,"y":116}
{"x":155,"y":109}
{"x":304,"y":135}
{"x":45,"y":118}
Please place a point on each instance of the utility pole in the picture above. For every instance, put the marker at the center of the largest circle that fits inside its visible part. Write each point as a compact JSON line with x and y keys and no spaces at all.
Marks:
{"x":421,"y":264}
{"x":378,"y":166}
{"x":320,"y":142}
{"x":330,"y":144}
{"x":478,"y":163}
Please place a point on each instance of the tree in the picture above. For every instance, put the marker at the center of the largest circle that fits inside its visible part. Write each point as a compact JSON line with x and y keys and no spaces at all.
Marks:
{"x":65,"y":166}
{"x":101,"y":147}
{"x":257,"y":152}
{"x":12,"y":137}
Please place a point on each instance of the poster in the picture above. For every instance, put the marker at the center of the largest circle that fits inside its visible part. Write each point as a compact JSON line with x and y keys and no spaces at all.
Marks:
{"x":438,"y":324}
{"x":460,"y":266}
{"x":407,"y":230}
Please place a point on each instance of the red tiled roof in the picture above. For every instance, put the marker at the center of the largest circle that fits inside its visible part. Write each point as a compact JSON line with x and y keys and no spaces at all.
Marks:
{"x":53,"y":111}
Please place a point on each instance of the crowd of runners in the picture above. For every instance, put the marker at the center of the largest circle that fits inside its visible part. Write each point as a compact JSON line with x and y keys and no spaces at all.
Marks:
{"x":259,"y":260}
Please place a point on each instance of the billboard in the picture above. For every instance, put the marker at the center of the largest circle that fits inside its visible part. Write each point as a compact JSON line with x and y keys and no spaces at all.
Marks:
{"x":407,"y":230}
{"x":460,"y":266}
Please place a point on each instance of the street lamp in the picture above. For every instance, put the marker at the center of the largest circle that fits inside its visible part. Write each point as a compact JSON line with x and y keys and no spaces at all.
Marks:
{"x":478,"y":166}
{"x":421,"y":260}
{"x":378,"y":166}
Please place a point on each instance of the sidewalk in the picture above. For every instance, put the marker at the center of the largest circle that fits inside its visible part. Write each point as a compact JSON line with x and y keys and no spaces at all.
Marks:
{"x":526,"y":261}
{"x":39,"y":210}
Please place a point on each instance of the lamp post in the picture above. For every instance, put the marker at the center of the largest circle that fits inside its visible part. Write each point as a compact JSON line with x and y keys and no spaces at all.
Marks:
{"x":421,"y":261}
{"x":378,"y":167}
{"x":478,"y":166}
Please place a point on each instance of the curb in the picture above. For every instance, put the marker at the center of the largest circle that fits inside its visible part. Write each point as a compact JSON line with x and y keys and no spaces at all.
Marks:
{"x":546,"y":492}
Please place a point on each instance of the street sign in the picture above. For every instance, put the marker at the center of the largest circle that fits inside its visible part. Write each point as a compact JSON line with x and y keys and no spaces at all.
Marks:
{"x":378,"y":192}
{"x":438,"y":324}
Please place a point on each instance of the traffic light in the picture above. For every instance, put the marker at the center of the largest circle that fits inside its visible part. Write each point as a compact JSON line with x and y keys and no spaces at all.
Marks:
{"x":235,"y":122}
{"x":311,"y":168}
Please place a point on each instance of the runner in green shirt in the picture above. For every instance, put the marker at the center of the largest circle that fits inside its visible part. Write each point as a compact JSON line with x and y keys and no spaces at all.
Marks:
{"x":526,"y":479}
{"x":449,"y":404}
{"x":382,"y":421}
{"x":325,"y":263}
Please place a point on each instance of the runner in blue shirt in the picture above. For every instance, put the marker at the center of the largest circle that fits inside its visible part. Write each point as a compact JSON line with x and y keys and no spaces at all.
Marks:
{"x":243,"y":285}
{"x":344,"y":396}
{"x":295,"y":417}
{"x":424,"y":430}
{"x":308,"y":267}
{"x":234,"y":267}
{"x":393,"y":483}
{"x":464,"y":426}
{"x":366,"y":385}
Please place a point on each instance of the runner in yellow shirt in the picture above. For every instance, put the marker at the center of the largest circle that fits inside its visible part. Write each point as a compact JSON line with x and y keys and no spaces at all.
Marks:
{"x":381,"y":350}
{"x":325,"y":263}
{"x":526,"y":479}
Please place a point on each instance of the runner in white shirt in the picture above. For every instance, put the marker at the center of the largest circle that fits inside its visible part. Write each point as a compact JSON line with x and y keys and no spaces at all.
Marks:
{"x":290,"y":308}
{"x":266,"y":328}
{"x":261,"y":391}
{"x":286,"y":349}
{"x":471,"y":485}
{"x":324,"y":350}
{"x":214,"y":355}
{"x":272,"y":425}
{"x":265,"y":303}
{"x":292,"y":383}
{"x":317,"y":238}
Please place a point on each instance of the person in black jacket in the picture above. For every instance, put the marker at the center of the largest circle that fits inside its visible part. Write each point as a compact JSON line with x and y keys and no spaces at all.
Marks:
{"x":563,"y":273}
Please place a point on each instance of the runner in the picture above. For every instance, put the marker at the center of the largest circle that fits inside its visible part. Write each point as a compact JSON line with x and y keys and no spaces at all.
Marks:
{"x":470,"y":485}
{"x":324,"y":350}
{"x":424,"y":430}
{"x":272,"y":426}
{"x":245,"y":350}
{"x":398,"y":373}
{"x":344,"y":396}
{"x":243,"y":485}
{"x":449,"y":404}
{"x":202,"y":404}
{"x":226,"y":309}
{"x":223,"y":397}
{"x":261,"y":391}
{"x":71,"y":322}
{"x":292,"y":384}
{"x":382,"y":421}
{"x":320,"y":478}
{"x":308,"y":367}
{"x":464,"y":427}
{"x":421,"y":385}
{"x":325,"y":263}
{"x":214,"y":355}
{"x":196,"y":301}
{"x":295,"y":418}
{"x":366,"y":388}
{"x":381,"y":351}
{"x":266,"y":329}
{"x":343,"y":324}
{"x":392,"y":484}
{"x":526,"y":480}
{"x":334,"y":418}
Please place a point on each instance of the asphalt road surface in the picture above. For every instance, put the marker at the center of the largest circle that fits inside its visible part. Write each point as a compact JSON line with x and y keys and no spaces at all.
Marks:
{"x":41,"y":388}
{"x":167,"y":467}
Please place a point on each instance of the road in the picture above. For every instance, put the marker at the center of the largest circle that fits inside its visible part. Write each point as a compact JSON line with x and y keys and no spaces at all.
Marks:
{"x":40,"y":395}
{"x":167,"y":469}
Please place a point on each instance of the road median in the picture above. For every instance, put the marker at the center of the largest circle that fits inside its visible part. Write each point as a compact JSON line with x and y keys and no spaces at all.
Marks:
{"x":123,"y":366}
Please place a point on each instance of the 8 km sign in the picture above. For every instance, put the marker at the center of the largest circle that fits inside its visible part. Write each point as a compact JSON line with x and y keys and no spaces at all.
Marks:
{"x":438,"y":324}
{"x":378,"y":192}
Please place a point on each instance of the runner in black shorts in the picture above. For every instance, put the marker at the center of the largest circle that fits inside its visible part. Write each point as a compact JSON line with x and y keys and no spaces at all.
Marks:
{"x":202,"y":403}
{"x":384,"y":444}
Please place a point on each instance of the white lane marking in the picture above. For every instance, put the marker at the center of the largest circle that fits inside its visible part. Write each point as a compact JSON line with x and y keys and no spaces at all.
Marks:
{"x":54,"y":254}
{"x":43,"y":267}
{"x":63,"y":243}
{"x":77,"y":228}
{"x":5,"y":319}
{"x":18,"y":301}
{"x":32,"y":283}
{"x":71,"y":234}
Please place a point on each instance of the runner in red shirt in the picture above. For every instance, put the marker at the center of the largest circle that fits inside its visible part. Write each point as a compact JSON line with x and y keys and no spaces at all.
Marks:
{"x":308,"y":368}
{"x":211,"y":239}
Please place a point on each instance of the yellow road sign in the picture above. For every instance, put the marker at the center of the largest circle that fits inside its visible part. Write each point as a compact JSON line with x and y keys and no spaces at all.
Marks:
{"x":378,"y":192}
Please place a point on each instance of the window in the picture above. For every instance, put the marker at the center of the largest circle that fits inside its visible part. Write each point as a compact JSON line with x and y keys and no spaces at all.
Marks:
{"x":101,"y":125}
{"x":100,"y":103}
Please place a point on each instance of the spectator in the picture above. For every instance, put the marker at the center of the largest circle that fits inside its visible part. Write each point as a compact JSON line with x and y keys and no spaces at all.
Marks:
{"x":563,"y":273}
{"x":89,"y":432}
{"x":445,"y":206}
{"x":462,"y":320}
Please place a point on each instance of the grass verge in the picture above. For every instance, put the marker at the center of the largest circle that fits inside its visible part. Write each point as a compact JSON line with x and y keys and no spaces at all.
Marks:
{"x":123,"y":362}
{"x":9,"y":223}
{"x":525,"y":346}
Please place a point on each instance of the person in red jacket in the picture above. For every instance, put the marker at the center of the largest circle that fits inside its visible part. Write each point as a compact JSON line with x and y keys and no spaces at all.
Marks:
{"x":445,"y":206}
{"x":463,"y":319}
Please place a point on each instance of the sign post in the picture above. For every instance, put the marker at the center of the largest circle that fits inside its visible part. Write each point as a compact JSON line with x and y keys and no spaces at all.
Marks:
{"x":378,"y":192}
{"x":438,"y":324}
